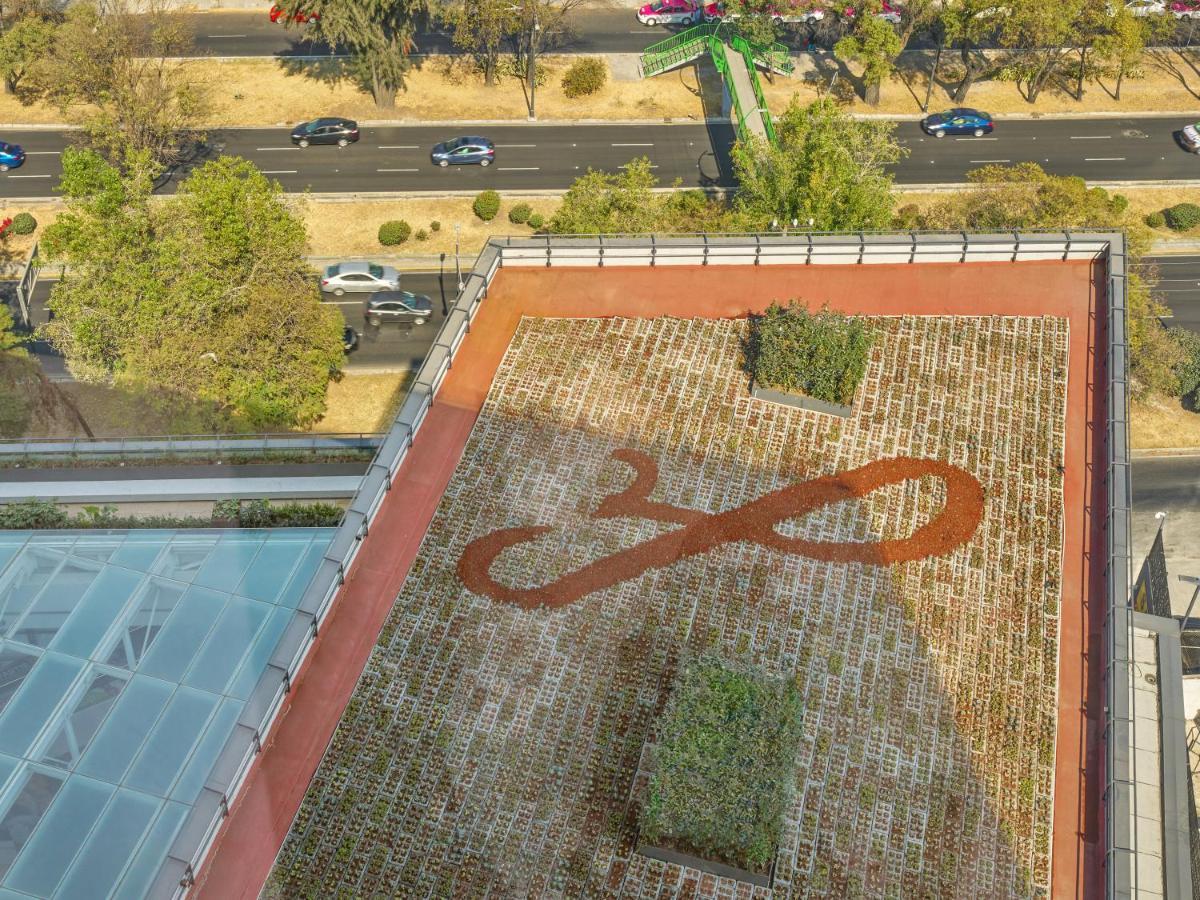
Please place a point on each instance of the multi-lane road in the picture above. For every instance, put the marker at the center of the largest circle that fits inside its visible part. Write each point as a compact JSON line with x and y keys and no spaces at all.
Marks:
{"x":541,"y":157}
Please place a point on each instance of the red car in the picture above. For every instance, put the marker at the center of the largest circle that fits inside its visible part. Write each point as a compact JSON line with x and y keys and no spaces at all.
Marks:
{"x":280,"y":15}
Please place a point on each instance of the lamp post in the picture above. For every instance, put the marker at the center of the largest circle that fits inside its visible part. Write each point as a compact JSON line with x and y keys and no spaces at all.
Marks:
{"x":457,"y":267}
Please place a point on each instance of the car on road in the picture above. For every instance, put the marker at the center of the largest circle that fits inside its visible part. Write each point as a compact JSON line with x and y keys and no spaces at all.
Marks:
{"x":463,"y":151}
{"x":11,"y":156}
{"x":785,"y":13}
{"x":398,"y":306}
{"x":1186,"y":9}
{"x":301,"y":17}
{"x":349,"y":339}
{"x":670,"y":12}
{"x":1189,"y":136}
{"x":958,"y":121}
{"x":342,"y":132}
{"x":358,"y":278}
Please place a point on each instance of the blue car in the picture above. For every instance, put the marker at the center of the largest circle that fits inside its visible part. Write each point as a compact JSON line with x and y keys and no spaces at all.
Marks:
{"x":11,"y":156}
{"x":464,"y":151}
{"x":958,"y":121}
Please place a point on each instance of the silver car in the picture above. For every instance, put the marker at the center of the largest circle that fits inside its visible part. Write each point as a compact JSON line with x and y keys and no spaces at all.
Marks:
{"x":359,"y":277}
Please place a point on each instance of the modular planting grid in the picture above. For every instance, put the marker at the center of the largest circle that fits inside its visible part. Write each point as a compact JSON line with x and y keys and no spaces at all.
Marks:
{"x":494,"y":750}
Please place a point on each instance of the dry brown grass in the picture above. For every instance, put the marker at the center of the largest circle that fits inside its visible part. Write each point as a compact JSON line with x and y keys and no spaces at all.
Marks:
{"x":14,"y":249}
{"x":363,"y":402}
{"x":1163,"y":423}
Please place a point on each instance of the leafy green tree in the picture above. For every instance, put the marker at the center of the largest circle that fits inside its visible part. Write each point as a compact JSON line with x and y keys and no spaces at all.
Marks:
{"x":969,"y":25}
{"x":874,"y":44}
{"x":15,"y":376}
{"x":1188,"y":368}
{"x":378,"y":35}
{"x":754,"y":19}
{"x":1044,"y":35}
{"x":826,"y":171}
{"x":1119,"y":50}
{"x":482,"y":27}
{"x":204,"y":296}
{"x":22,"y":45}
{"x":119,"y":74}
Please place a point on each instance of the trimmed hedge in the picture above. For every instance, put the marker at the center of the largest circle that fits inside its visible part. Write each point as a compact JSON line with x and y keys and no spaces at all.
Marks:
{"x":585,"y":76}
{"x":1156,"y":219}
{"x":724,"y":767}
{"x":42,"y":514}
{"x":520,"y":213}
{"x":394,"y":232}
{"x":23,"y":223}
{"x":1182,"y":216}
{"x":821,"y":354}
{"x":486,"y":205}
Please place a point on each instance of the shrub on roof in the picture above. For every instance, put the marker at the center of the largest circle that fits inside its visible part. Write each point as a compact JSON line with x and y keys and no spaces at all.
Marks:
{"x":1182,"y":216}
{"x":486,"y":205}
{"x":822,"y":354}
{"x":725,"y":764}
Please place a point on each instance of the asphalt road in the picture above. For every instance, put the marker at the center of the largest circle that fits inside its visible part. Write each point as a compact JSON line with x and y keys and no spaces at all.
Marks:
{"x":391,"y":346}
{"x":539,"y":157}
{"x":1178,"y":287}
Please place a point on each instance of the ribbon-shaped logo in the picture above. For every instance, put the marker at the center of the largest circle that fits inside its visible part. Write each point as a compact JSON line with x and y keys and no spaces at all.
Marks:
{"x":753,"y":521}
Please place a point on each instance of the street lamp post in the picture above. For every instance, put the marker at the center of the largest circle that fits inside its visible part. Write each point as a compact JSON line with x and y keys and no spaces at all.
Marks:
{"x":457,"y":267}
{"x":532,"y":74}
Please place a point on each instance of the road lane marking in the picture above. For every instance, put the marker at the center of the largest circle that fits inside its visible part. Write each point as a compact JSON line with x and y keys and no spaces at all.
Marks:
{"x":510,"y":146}
{"x":225,"y":35}
{"x":279,"y":171}
{"x":976,"y":139}
{"x":1091,"y":137}
{"x":633,"y":145}
{"x":1104,"y":159}
{"x":399,"y":147}
{"x":990,"y":160}
{"x":397,"y":170}
{"x":43,"y":153}
{"x":514,"y":168}
{"x":260,"y":149}
{"x":28,"y":176}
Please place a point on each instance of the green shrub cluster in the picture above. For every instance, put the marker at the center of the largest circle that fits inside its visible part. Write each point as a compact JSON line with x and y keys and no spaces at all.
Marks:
{"x":822,"y":354}
{"x":1156,"y":219}
{"x":1182,"y":216}
{"x":394,"y":232}
{"x":422,"y":234}
{"x":486,"y":205}
{"x":536,"y":222}
{"x":43,"y":514}
{"x":585,"y":76}
{"x":435,"y":226}
{"x":1188,"y":368}
{"x":23,"y":223}
{"x":724,"y":767}
{"x":520,"y":213}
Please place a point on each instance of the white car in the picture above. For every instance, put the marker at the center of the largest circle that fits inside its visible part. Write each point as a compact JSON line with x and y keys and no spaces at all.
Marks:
{"x":359,"y":278}
{"x":669,"y":12}
{"x":1142,"y":8}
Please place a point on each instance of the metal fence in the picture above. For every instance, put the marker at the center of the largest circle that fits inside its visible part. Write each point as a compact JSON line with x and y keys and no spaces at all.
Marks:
{"x":186,"y":445}
{"x":25,"y":286}
{"x":200,"y":829}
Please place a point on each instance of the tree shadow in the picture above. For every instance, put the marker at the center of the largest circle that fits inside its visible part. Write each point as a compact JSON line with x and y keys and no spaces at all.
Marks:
{"x":1177,"y":63}
{"x":831,"y":76}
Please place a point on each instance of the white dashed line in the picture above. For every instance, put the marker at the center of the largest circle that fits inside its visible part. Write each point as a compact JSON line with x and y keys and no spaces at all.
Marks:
{"x":279,"y":171}
{"x":1104,"y":159}
{"x":261,"y":149}
{"x":633,"y":145}
{"x":397,"y":170}
{"x":225,"y":35}
{"x":43,"y":153}
{"x":399,"y":147}
{"x":510,"y":146}
{"x":1091,"y":137}
{"x":976,"y":139}
{"x":28,"y":176}
{"x":990,"y":160}
{"x":518,"y":168}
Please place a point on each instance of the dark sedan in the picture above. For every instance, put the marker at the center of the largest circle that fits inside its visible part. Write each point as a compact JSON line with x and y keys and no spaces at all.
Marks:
{"x":958,"y":121}
{"x":464,"y":151}
{"x":11,"y":156}
{"x":325,"y":131}
{"x":398,"y":306}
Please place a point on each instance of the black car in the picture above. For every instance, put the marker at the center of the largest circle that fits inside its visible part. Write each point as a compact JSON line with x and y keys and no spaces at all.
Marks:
{"x":349,"y":339}
{"x":325,"y":131}
{"x":958,"y":121}
{"x":398,"y":306}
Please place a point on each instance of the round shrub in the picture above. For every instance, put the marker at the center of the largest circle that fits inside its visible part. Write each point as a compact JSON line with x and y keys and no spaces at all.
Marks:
{"x":487,"y":204}
{"x":23,"y":223}
{"x":1156,"y":219}
{"x":1182,"y":216}
{"x":394,"y":232}
{"x":536,"y":222}
{"x":586,"y":76}
{"x":520,"y":213}
{"x":422,"y":234}
{"x":435,"y":226}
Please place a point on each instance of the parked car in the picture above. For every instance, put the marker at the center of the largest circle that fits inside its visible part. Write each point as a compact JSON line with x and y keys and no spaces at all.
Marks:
{"x":359,"y":277}
{"x":300,"y":16}
{"x":1186,"y":9}
{"x":398,"y":306}
{"x":958,"y":121}
{"x":1142,"y":8}
{"x":11,"y":156}
{"x":670,"y":12}
{"x":1189,"y":136}
{"x":785,"y":13}
{"x":890,"y":13}
{"x":349,"y":339}
{"x":326,"y":131}
{"x":464,"y":151}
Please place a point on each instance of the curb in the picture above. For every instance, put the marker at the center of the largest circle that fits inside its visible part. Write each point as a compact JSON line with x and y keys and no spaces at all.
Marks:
{"x":1164,"y":453}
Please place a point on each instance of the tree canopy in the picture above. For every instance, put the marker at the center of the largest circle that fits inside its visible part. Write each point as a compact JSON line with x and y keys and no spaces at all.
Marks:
{"x":874,"y":44}
{"x":204,"y":296}
{"x":825,"y":167}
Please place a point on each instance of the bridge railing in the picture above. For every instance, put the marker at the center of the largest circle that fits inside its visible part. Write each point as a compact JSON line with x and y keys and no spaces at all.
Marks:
{"x":677,"y":49}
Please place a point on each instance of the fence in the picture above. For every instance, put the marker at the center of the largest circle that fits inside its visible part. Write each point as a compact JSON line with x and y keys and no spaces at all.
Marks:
{"x":185,"y":445}
{"x":200,"y":829}
{"x":25,"y":286}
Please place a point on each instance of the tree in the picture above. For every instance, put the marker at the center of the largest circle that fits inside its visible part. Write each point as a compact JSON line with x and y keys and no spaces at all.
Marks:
{"x":22,"y":45}
{"x":481,"y":27}
{"x":204,"y":296}
{"x":825,"y":167}
{"x":16,"y":375}
{"x":874,"y":44}
{"x":969,"y":25}
{"x":1118,"y":51}
{"x":121,"y":76}
{"x":1044,"y":34}
{"x":754,"y":19}
{"x":378,"y":34}
{"x":541,"y":25}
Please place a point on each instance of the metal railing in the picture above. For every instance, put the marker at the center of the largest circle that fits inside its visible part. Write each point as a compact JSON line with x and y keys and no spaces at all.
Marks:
{"x":25,"y":286}
{"x":185,"y":444}
{"x":258,"y":716}
{"x":677,"y":49}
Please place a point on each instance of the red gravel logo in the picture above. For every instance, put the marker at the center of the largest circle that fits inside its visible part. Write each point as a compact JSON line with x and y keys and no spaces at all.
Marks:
{"x":754,"y":521}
